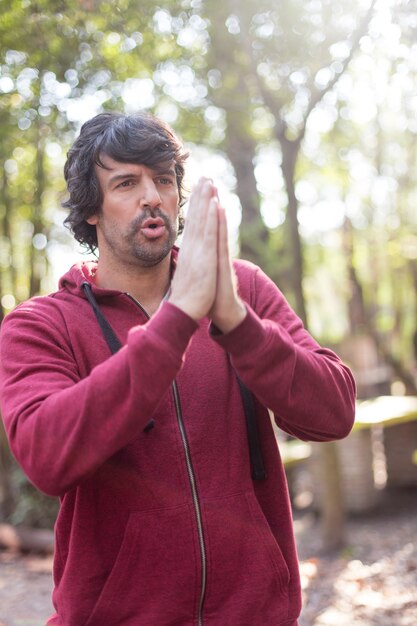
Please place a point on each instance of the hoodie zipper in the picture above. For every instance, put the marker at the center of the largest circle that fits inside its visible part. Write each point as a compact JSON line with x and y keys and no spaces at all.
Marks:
{"x":192,"y":482}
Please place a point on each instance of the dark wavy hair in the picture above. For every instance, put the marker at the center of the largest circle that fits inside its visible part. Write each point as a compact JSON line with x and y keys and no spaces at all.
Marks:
{"x":139,"y":138}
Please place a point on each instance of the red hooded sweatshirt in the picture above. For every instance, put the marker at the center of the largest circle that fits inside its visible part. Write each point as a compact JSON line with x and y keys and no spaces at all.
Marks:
{"x":163,"y":525}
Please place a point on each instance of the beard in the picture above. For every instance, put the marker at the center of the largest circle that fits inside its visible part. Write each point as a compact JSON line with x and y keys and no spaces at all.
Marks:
{"x":133,"y":248}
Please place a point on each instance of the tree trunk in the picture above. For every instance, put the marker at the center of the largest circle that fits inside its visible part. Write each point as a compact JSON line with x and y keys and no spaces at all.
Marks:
{"x":361,"y":319}
{"x":332,"y":505}
{"x":7,"y":234}
{"x":7,"y":498}
{"x":290,"y":150}
{"x":253,"y":233}
{"x":37,"y":257}
{"x":26,"y":539}
{"x":355,"y":304}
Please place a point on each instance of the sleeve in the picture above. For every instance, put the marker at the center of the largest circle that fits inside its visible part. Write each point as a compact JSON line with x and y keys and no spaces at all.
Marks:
{"x":61,"y":427}
{"x":308,"y":388}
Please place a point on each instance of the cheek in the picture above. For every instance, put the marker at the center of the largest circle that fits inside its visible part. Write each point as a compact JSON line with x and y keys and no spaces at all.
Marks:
{"x":172,"y":196}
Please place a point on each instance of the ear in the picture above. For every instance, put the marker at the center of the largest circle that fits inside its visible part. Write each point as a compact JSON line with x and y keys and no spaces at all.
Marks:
{"x":93,"y":220}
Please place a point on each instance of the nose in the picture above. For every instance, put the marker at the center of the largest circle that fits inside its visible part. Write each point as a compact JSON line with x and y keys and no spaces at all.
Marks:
{"x":150,"y":198}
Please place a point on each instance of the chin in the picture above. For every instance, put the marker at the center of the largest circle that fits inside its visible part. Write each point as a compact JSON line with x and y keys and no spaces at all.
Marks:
{"x":150,"y":258}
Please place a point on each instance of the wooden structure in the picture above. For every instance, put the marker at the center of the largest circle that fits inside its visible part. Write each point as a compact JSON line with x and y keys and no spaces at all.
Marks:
{"x":380,"y":451}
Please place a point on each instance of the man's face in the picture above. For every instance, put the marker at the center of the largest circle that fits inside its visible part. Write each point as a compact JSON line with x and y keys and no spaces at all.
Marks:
{"x":138,"y":221}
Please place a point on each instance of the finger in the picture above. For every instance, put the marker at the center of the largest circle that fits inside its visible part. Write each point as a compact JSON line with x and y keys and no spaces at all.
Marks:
{"x":198,"y":208}
{"x":189,"y":218}
{"x":223,"y":238}
{"x":211,"y":225}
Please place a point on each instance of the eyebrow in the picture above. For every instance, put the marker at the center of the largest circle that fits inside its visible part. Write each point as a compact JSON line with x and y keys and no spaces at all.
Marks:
{"x":165,"y":170}
{"x":117,"y":177}
{"x":129,"y":175}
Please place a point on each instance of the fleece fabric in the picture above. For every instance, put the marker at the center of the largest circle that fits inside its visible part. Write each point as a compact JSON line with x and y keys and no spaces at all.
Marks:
{"x":164,"y":526}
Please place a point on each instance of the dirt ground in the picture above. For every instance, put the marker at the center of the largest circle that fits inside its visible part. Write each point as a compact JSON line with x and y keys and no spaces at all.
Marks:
{"x":372,"y":582}
{"x":25,"y":590}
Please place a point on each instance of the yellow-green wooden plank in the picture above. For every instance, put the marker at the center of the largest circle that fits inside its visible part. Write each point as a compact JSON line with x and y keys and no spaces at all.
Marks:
{"x":385,"y":411}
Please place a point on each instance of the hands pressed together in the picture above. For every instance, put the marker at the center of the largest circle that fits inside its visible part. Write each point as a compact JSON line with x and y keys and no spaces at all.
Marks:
{"x":204,"y":283}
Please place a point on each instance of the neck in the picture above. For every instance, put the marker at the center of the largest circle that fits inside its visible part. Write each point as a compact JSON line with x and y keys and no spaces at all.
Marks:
{"x":148,"y":285}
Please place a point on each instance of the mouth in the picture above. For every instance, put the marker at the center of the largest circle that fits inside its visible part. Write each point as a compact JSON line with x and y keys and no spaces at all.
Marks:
{"x":153,"y":227}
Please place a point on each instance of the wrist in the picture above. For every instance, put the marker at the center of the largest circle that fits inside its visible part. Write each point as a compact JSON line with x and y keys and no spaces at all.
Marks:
{"x":185,"y":306}
{"x":234,"y":317}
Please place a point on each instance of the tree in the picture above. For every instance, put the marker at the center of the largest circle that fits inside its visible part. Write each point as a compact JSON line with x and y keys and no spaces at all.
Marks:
{"x":260,"y":55}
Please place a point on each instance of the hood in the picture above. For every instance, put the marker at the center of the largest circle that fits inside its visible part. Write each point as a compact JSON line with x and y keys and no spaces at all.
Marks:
{"x":85,"y":271}
{"x":81,"y":272}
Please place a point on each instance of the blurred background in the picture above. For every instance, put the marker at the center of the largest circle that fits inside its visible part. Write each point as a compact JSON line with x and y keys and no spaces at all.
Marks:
{"x":305,"y":114}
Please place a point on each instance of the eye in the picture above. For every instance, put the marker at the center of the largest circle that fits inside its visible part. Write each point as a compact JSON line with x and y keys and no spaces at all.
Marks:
{"x":124,"y":183}
{"x":165,"y":180}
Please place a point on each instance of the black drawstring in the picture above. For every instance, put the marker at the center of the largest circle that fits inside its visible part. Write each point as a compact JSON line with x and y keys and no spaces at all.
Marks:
{"x":255,"y":454}
{"x":108,"y":332}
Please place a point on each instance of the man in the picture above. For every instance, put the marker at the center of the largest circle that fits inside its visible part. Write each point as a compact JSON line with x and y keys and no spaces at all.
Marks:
{"x":161,"y":523}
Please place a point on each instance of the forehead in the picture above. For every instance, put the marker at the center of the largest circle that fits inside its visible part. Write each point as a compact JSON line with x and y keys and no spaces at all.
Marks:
{"x":106,"y":163}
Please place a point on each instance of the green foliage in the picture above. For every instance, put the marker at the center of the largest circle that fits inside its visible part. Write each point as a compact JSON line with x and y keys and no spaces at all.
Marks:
{"x":32,"y":507}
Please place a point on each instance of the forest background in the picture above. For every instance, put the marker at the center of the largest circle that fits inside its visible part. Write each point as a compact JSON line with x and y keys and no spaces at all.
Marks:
{"x":303,"y":112}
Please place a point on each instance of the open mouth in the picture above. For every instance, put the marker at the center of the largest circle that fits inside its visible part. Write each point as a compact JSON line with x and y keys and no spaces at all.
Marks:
{"x":153,"y":222}
{"x":153,"y":227}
